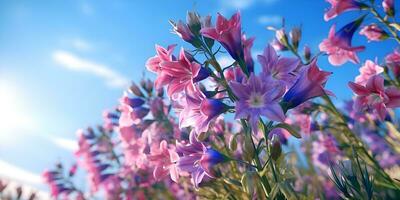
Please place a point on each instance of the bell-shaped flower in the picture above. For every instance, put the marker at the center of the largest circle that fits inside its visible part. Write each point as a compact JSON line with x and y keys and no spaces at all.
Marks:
{"x":338,"y":45}
{"x":369,"y":69}
{"x":340,"y":6}
{"x":256,"y":98}
{"x":375,"y":96}
{"x":228,"y":33}
{"x":278,"y":68}
{"x":310,"y":84}
{"x":164,"y":159}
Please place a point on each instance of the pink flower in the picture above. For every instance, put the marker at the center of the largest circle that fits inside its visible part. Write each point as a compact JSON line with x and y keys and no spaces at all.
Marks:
{"x":153,"y":64}
{"x":181,"y":73}
{"x":197,"y":159}
{"x":258,"y":98}
{"x":374,"y":96}
{"x":340,"y":6}
{"x":368,"y":70}
{"x":278,"y":68}
{"x":164,"y":159}
{"x":373,"y":32}
{"x":197,"y":111}
{"x":228,"y":33}
{"x":338,"y":45}
{"x":393,"y":62}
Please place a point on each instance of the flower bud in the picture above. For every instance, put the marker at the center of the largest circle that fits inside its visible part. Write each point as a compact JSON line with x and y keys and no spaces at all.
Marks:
{"x":193,"y":21}
{"x":295,"y":35}
{"x":250,"y":181}
{"x":276,"y":148}
{"x":281,"y":36}
{"x":374,"y":33}
{"x":307,"y":53}
{"x":388,"y":7}
{"x":248,"y":148}
{"x":135,"y":90}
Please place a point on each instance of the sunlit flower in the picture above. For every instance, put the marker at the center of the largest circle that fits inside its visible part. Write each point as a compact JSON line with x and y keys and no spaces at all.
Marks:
{"x":373,"y":32}
{"x":338,"y":45}
{"x":198,"y":111}
{"x":340,"y":6}
{"x":310,"y":84}
{"x":164,"y":159}
{"x":153,"y":64}
{"x":197,"y":159}
{"x":368,"y":70}
{"x":258,"y":98}
{"x":228,"y":33}
{"x":278,"y":68}
{"x":375,"y":96}
{"x":393,"y":62}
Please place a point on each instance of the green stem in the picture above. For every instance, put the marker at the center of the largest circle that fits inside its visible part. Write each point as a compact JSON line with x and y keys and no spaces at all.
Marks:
{"x":386,"y":23}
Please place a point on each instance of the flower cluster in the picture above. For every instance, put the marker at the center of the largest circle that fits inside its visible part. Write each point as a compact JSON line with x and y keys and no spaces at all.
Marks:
{"x":227,"y":132}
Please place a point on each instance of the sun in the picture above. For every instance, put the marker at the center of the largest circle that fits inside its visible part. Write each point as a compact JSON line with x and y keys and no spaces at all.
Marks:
{"x":12,"y":115}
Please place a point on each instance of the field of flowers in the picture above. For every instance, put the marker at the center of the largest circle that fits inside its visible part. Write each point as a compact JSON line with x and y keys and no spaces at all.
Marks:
{"x":261,"y":127}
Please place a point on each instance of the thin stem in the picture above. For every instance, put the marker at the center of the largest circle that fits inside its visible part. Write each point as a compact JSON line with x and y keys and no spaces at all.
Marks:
{"x":385,"y":22}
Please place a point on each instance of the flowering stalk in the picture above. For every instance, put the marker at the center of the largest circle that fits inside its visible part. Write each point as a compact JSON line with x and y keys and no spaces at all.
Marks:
{"x":386,"y":23}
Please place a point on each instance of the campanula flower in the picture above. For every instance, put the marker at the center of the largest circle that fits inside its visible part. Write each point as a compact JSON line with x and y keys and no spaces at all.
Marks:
{"x":310,"y":84}
{"x":278,"y":68}
{"x":258,"y":98}
{"x":153,"y":64}
{"x":340,"y":6}
{"x":338,"y":45}
{"x":182,"y":73}
{"x":197,"y":159}
{"x":198,"y":111}
{"x":375,"y":96}
{"x":164,"y":159}
{"x":373,"y":32}
{"x":393,"y":62}
{"x":369,"y":69}
{"x":228,"y":33}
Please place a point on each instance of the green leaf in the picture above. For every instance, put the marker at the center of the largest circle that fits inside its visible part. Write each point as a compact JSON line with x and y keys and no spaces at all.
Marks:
{"x":289,"y":128}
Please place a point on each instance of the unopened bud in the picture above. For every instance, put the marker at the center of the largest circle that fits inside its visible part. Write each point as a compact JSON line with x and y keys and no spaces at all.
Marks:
{"x":388,"y":7}
{"x":193,"y":21}
{"x":295,"y":35}
{"x":276,"y":148}
{"x":307,"y":53}
{"x":136,"y":90}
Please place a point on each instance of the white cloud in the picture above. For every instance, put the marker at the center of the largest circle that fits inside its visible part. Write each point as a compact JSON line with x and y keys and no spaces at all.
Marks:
{"x":81,"y":45}
{"x":76,"y":63}
{"x":269,"y":19}
{"x":16,"y":176}
{"x":243,"y":4}
{"x":68,"y":144}
{"x":13,"y":172}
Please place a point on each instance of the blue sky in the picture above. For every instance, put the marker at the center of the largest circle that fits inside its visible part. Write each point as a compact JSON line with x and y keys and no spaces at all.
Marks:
{"x":63,"y":62}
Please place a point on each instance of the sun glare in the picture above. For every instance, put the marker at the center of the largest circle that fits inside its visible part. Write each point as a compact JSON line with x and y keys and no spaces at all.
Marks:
{"x":12,"y":115}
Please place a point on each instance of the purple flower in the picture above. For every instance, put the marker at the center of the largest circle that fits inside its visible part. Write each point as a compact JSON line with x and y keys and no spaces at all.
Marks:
{"x":258,"y":98}
{"x":197,"y":159}
{"x":278,"y":68}
{"x":310,"y":84}
{"x":197,"y":111}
